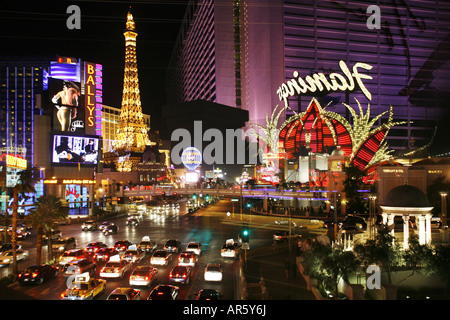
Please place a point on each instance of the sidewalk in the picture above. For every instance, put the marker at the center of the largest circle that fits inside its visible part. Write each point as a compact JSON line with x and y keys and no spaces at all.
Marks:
{"x":269,"y":264}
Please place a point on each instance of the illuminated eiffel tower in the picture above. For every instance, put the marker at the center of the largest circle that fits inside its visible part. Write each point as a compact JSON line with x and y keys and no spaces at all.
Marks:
{"x":132,"y":131}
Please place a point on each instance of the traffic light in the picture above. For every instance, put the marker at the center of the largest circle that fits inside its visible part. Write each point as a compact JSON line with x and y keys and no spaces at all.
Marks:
{"x":249,"y":205}
{"x":245,"y":234}
{"x":194,"y":196}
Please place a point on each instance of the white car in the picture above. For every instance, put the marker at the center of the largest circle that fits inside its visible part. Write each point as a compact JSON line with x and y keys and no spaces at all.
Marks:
{"x":187,"y":258}
{"x":115,"y":269}
{"x":161,"y":257}
{"x":213,"y":272}
{"x":143,"y":276}
{"x":6,"y":257}
{"x":195,"y":247}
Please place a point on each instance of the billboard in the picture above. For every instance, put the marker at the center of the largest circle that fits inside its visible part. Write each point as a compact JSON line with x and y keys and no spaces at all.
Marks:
{"x":68,"y":105}
{"x":75,"y":150}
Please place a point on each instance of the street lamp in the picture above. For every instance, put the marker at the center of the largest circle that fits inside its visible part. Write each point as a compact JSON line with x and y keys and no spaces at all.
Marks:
{"x":444,"y":208}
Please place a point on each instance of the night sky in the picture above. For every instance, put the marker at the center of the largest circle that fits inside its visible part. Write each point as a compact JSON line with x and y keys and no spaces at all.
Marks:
{"x":39,"y":27}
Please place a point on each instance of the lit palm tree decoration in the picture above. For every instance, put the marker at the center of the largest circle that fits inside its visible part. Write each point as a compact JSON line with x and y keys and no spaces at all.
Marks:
{"x":271,"y":133}
{"x":319,"y":130}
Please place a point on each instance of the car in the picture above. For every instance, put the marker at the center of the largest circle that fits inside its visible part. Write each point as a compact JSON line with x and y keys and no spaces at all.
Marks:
{"x":94,"y":247}
{"x":352,"y":222}
{"x":180,"y":274}
{"x":104,"y":254}
{"x":84,"y":288}
{"x":195,"y":247}
{"x":161,"y":257}
{"x":187,"y":258}
{"x":6,"y":258}
{"x":230,"y":249}
{"x":164,"y":292}
{"x":77,"y":267}
{"x":89,"y":225}
{"x":133,"y":222}
{"x":125,"y":294}
{"x":115,"y":268}
{"x":133,"y":255}
{"x":122,"y":245}
{"x":70,"y":255}
{"x":147,"y":244}
{"x":213,"y":272}
{"x":172,"y":246}
{"x":103,"y":225}
{"x":143,"y":276}
{"x":208,"y":294}
{"x":110,"y":229}
{"x":53,"y":234}
{"x":64,"y":244}
{"x":8,"y":246}
{"x":37,"y":274}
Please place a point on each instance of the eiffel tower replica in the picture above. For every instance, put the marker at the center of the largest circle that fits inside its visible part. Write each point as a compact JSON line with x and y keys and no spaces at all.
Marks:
{"x":132,"y":132}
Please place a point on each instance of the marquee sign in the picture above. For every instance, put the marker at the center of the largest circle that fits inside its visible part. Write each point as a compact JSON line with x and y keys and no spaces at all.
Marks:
{"x":347,"y":81}
{"x":15,"y":162}
{"x":90,"y":94}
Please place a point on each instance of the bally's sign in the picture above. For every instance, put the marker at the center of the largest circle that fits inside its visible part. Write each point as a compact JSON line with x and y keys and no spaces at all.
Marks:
{"x":347,"y":81}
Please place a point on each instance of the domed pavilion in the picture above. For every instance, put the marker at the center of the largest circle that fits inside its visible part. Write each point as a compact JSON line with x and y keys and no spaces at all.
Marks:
{"x":408,"y":201}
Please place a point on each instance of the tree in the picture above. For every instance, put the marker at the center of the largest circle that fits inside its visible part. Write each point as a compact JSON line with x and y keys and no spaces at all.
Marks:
{"x":352,"y":183}
{"x":380,"y":251}
{"x":24,"y":185}
{"x":439,"y":265}
{"x":42,"y":217}
{"x":337,"y":265}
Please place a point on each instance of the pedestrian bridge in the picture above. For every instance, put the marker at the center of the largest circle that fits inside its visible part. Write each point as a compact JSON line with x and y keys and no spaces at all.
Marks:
{"x":229,"y":193}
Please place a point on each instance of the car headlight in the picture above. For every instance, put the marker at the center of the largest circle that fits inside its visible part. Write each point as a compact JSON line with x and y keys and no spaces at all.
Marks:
{"x":7,"y":260}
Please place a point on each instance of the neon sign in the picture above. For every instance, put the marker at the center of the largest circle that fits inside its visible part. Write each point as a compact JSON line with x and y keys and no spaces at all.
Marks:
{"x":15,"y":162}
{"x":90,"y":94}
{"x":319,"y":82}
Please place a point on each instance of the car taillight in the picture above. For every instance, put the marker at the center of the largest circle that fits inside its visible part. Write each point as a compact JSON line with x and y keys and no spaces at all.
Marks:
{"x":184,"y":275}
{"x":147,"y":278}
{"x":131,"y":277}
{"x":160,"y":293}
{"x":34,"y":275}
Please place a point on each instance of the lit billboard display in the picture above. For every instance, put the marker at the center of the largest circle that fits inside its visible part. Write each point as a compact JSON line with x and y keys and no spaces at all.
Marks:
{"x":75,"y":150}
{"x":68,"y":105}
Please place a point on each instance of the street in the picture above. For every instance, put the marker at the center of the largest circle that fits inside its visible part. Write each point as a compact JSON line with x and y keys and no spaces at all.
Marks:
{"x":210,"y":226}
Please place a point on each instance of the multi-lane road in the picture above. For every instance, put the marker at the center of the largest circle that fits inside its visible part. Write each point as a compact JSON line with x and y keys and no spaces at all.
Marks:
{"x":210,"y":226}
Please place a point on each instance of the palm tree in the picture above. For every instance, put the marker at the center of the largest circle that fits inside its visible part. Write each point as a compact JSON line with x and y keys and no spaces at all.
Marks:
{"x":24,"y":185}
{"x":42,"y":217}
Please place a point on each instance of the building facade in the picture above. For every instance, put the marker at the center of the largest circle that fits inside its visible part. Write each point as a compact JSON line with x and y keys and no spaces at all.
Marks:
{"x":241,"y":52}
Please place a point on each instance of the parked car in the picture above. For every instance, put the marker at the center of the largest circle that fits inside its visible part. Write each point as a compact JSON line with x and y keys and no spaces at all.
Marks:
{"x":37,"y":274}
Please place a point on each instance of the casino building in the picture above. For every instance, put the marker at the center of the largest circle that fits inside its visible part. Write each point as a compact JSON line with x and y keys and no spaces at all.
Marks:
{"x":240,"y":53}
{"x":52,"y":118}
